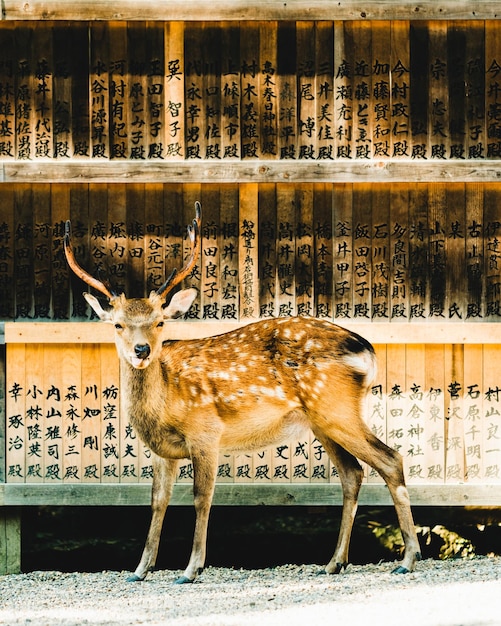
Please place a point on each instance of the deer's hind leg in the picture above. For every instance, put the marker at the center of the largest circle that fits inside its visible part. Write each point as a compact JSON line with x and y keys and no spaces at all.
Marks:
{"x":351,"y":475}
{"x":357,"y":439}
{"x":164,"y":472}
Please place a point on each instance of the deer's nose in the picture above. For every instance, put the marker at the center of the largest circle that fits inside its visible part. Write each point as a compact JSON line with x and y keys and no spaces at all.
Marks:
{"x":142,"y":350}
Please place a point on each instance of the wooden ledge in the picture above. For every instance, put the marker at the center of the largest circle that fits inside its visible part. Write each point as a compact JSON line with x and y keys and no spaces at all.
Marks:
{"x":230,"y":494}
{"x":377,"y":333}
{"x":244,"y":10}
{"x":258,"y":171}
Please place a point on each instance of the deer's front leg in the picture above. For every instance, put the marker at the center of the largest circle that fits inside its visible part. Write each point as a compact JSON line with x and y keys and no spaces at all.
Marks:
{"x":204,"y":477}
{"x":164,"y":473}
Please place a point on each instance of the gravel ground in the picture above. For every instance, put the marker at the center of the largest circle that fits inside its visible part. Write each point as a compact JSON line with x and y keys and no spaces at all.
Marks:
{"x":441,"y":593}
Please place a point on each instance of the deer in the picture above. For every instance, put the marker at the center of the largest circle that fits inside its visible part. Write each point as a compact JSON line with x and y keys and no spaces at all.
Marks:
{"x":239,"y":391}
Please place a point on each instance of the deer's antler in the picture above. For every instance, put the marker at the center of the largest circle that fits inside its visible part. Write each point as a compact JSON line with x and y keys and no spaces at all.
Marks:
{"x":194,"y":234}
{"x":80,"y":272}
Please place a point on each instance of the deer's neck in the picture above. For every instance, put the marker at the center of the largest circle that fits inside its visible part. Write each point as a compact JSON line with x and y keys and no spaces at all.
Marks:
{"x":142,"y":391}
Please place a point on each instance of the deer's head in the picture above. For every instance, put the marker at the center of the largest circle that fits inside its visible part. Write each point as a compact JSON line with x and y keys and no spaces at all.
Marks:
{"x":138,"y":322}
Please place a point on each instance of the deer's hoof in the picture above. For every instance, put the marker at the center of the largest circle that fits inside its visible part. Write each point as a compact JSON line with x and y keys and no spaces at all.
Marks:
{"x":338,"y":568}
{"x":134,"y":578}
{"x":182,"y":580}
{"x":400,"y":570}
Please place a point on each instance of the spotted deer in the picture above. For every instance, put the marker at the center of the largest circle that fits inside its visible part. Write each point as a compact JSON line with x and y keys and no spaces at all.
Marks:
{"x":241,"y":391}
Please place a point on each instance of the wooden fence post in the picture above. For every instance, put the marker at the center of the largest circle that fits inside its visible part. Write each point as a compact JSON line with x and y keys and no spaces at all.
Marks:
{"x":10,"y":540}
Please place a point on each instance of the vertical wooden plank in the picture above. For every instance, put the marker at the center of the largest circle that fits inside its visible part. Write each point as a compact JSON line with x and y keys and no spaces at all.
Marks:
{"x":119,"y":119}
{"x":155,"y":100}
{"x":135,"y":228}
{"x":154,"y":237}
{"x":16,"y":422}
{"x":7,"y":245}
{"x":117,"y":248}
{"x":399,"y":252}
{"x":307,"y":91}
{"x":268,"y":90}
{"x":438,"y":95}
{"x":230,"y":91}
{"x":229,"y":251}
{"x":437,"y":210}
{"x":268,"y":277}
{"x":35,"y":445}
{"x":10,"y":540}
{"x":78,"y":37}
{"x":455,"y":253}
{"x":195,"y":65}
{"x":101,"y":34}
{"x":91,"y":413}
{"x":475,"y":266}
{"x":381,"y":89}
{"x":287,"y":90}
{"x":248,"y":251}
{"x":419,"y":103}
{"x":24,"y":148}
{"x":304,"y":250}
{"x":43,"y":90}
{"x":42,"y":233}
{"x":454,"y":425}
{"x":492,"y":93}
{"x":138,"y":127}
{"x":400,"y":146}
{"x":362,"y":247}
{"x":343,"y":228}
{"x":397,"y":401}
{"x":174,"y":91}
{"x":324,"y":102}
{"x":211,"y":253}
{"x":382,"y":271}
{"x":286,"y":249}
{"x":491,"y":417}
{"x":60,"y":202}
{"x":251,"y":114}
{"x":419,"y":289}
{"x":361,"y":94}
{"x":323,"y":272}
{"x":110,"y":416}
{"x":53,"y":413}
{"x":474,"y":82}
{"x":173,"y":227}
{"x":377,"y":408}
{"x":192,"y":193}
{"x":416,"y":412}
{"x":23,"y":250}
{"x":474,"y":427}
{"x":3,"y":415}
{"x":457,"y":36}
{"x":435,"y":423}
{"x":8,"y":129}
{"x":492,"y":253}
{"x":64,"y":70}
{"x":343,"y":89}
{"x":76,"y":208}
{"x":71,"y":365}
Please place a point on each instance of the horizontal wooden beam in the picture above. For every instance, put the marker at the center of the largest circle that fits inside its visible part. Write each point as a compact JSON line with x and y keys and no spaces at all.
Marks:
{"x":226,"y":494}
{"x":259,"y":171}
{"x":244,"y":10}
{"x":377,"y":333}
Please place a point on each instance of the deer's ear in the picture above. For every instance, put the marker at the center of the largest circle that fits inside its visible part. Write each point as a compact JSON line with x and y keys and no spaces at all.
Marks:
{"x":180,"y":303}
{"x":104,"y":316}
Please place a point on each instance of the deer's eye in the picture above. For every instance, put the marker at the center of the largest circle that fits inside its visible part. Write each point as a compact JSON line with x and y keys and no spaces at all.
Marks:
{"x":118,"y":326}
{"x":160,"y":324}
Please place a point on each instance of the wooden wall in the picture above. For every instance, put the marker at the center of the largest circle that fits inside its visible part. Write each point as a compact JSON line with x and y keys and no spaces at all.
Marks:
{"x":302,"y":90}
{"x":382,"y":252}
{"x":121,"y":126}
